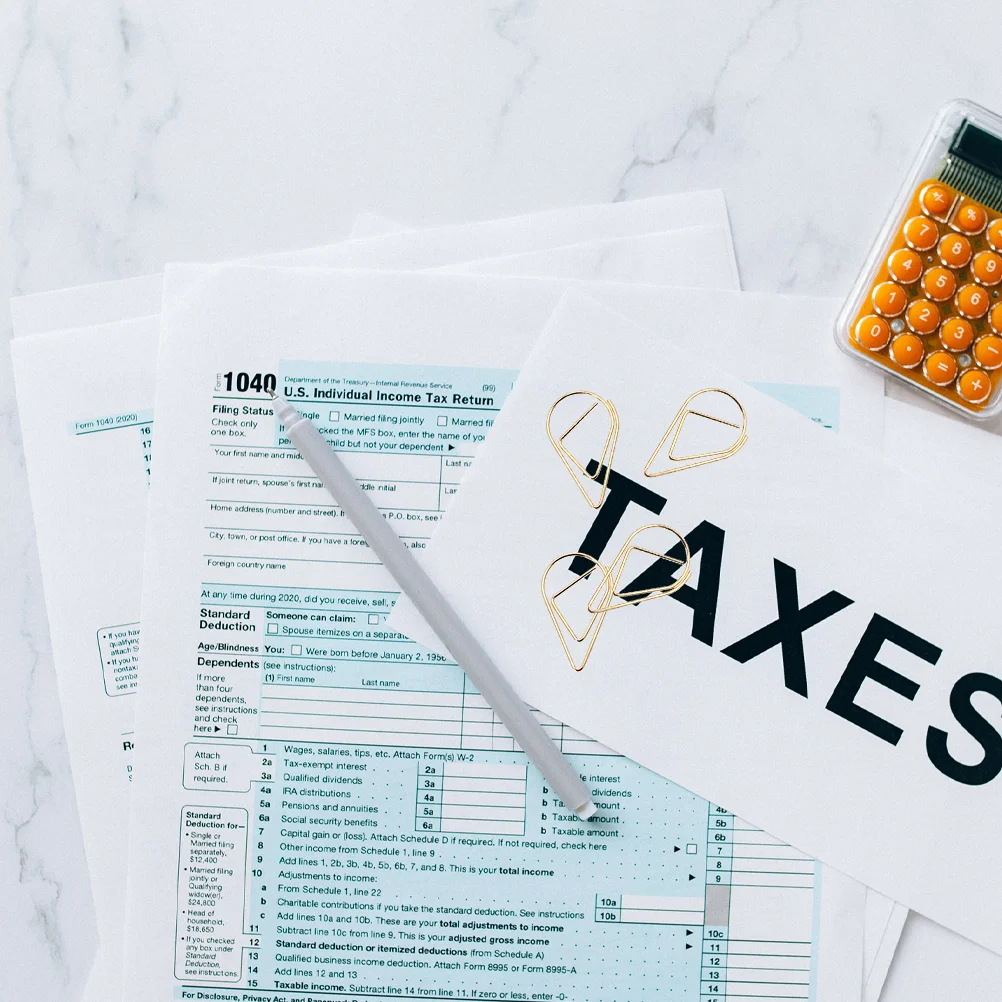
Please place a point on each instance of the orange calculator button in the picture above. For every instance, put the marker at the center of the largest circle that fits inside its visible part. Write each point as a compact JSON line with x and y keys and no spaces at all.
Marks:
{"x":974,"y":386}
{"x":920,"y":233}
{"x":939,"y":283}
{"x":873,"y":333}
{"x":904,"y":266}
{"x":970,"y":218}
{"x":889,"y":299}
{"x":922,"y":316}
{"x":995,"y":318}
{"x":936,"y":200}
{"x":987,"y":267}
{"x":907,"y":350}
{"x":941,"y":368}
{"x":972,"y":301}
{"x":955,"y":250}
{"x":956,"y":334}
{"x":988,"y":351}
{"x":995,"y":234}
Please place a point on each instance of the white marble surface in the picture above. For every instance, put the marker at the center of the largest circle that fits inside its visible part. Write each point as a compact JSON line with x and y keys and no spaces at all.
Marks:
{"x":138,"y":132}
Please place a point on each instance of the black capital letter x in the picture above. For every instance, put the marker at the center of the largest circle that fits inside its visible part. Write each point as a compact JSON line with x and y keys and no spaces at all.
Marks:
{"x":788,"y":628}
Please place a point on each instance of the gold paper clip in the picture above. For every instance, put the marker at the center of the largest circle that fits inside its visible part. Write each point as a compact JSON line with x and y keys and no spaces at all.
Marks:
{"x":574,"y":467}
{"x":686,"y":462}
{"x":609,"y":585}
{"x":582,"y":639}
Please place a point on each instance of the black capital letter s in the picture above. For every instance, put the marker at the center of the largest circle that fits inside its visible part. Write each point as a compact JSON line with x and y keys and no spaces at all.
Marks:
{"x":976,"y":725}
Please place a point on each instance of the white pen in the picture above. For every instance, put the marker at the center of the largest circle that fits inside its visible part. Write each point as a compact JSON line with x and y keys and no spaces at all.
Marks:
{"x":437,"y":612}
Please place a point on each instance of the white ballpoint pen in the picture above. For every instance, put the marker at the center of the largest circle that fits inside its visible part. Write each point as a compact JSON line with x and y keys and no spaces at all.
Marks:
{"x":436,"y":610}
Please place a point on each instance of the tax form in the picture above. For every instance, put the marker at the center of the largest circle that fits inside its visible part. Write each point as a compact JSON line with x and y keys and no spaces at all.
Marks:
{"x":332,"y":809}
{"x":86,"y":399}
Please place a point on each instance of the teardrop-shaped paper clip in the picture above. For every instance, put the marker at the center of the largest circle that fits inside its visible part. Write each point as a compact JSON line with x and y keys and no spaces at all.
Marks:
{"x":608,"y":595}
{"x":677,"y":463}
{"x":577,"y":469}
{"x":577,"y":643}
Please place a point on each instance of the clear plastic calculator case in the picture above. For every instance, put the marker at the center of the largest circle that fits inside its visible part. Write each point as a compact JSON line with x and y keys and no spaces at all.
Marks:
{"x":927,"y":306}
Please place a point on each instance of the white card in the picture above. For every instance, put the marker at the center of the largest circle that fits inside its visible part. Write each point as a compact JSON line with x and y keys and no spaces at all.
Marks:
{"x":876,"y":770}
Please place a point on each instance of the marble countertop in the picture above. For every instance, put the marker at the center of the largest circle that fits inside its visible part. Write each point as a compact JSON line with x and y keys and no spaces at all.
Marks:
{"x":136,"y":133}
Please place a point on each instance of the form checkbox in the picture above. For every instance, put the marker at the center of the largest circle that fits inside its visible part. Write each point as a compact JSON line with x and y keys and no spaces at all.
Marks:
{"x":691,"y":848}
{"x":442,"y":420}
{"x":373,"y":619}
{"x":297,"y":648}
{"x":273,"y":627}
{"x":335,"y":416}
{"x":231,"y":728}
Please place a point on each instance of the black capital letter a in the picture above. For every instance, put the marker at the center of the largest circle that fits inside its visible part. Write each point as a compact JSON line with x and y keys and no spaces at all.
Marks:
{"x":788,"y":628}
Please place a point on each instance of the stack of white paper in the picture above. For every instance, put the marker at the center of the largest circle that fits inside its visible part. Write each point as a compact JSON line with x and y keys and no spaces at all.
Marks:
{"x":320,"y":806}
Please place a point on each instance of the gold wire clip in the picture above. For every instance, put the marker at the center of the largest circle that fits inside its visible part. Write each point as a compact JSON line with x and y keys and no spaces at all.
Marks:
{"x":697,"y":458}
{"x":573,"y":466}
{"x":579,"y":643}
{"x":609,"y":584}
{"x":608,"y":596}
{"x":562,"y":625}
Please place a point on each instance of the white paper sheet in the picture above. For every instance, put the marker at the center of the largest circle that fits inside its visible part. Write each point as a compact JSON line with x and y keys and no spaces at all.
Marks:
{"x":933,"y":963}
{"x":106,"y":372}
{"x":259,"y":317}
{"x":628,"y":259}
{"x":517,"y":234}
{"x":833,"y":514}
{"x":106,"y":302}
{"x":949,"y":448}
{"x":85,"y":401}
{"x":87,"y":305}
{"x":879,"y":952}
{"x":926,"y":442}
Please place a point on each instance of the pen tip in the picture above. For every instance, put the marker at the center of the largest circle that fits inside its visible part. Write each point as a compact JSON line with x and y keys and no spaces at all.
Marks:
{"x":586,"y":811}
{"x":272,"y":394}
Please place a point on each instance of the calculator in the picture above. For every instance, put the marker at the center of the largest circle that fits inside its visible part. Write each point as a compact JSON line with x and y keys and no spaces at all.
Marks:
{"x":927,"y":306}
